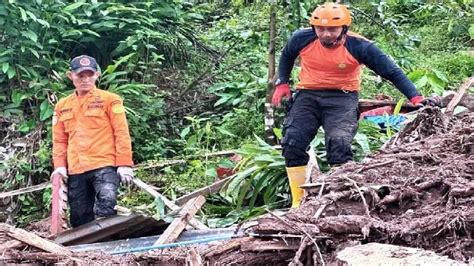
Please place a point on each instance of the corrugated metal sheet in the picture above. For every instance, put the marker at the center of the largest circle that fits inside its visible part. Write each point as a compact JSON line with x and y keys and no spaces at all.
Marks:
{"x":111,"y":228}
{"x":124,"y":246}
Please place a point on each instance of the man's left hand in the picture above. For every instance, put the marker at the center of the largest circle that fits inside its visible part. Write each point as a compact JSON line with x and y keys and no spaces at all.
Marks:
{"x":422,"y":101}
{"x":126,"y":174}
{"x":432,"y":101}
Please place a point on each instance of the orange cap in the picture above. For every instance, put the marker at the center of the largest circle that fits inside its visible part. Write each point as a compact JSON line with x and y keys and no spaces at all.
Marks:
{"x":331,"y":15}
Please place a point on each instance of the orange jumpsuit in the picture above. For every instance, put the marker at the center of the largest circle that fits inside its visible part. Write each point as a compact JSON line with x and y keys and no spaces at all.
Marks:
{"x":91,"y":132}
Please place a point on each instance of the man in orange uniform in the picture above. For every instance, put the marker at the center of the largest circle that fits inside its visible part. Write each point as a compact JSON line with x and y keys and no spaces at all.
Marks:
{"x":327,"y":92}
{"x":91,"y":144}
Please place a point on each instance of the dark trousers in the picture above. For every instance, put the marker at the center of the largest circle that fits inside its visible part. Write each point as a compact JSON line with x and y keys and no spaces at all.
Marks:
{"x":92,"y":194}
{"x":335,"y":110}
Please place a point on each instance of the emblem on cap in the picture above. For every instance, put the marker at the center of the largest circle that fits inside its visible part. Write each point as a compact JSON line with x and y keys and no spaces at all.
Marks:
{"x":85,"y":61}
{"x":341,"y":65}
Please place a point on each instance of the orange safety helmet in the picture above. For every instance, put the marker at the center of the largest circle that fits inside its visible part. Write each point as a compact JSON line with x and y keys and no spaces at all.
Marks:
{"x":331,"y":14}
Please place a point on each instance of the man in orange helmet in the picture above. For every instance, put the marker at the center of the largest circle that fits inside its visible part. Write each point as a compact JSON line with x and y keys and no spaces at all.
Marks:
{"x":327,"y":92}
{"x":91,"y":144}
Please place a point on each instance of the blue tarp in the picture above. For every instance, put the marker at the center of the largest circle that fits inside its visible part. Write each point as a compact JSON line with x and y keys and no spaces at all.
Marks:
{"x":393,"y":121}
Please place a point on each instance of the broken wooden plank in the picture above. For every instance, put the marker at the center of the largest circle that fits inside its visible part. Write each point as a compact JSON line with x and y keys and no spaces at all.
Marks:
{"x":459,"y":94}
{"x":34,"y":240}
{"x":176,"y":227}
{"x":214,"y":187}
{"x":11,"y":244}
{"x":193,"y":258}
{"x":224,"y":247}
{"x":260,"y":245}
{"x":25,"y":190}
{"x":366,"y":104}
{"x":180,"y":161}
{"x":18,"y":257}
{"x":193,"y":222}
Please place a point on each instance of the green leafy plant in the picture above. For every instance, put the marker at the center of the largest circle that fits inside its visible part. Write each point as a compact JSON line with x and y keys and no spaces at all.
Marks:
{"x":429,"y":80}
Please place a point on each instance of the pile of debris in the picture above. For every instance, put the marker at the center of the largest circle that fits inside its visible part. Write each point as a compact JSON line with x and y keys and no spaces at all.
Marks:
{"x":417,"y":193}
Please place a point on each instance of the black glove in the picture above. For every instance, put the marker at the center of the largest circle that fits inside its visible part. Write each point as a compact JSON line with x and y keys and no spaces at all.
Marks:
{"x":432,"y":101}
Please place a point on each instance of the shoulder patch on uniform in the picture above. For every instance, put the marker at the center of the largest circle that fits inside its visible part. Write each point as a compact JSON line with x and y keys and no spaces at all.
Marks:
{"x":117,"y":108}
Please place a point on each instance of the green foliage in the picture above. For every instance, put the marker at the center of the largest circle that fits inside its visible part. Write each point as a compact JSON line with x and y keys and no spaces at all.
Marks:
{"x":429,"y":80}
{"x":260,"y":183}
{"x":154,"y":50}
{"x":131,"y":41}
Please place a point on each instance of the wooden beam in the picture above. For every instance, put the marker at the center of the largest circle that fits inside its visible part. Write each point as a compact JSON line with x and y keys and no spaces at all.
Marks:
{"x":459,"y":94}
{"x":276,"y":245}
{"x":177,"y":226}
{"x":381,"y":103}
{"x":34,"y":240}
{"x":214,"y":187}
{"x":227,"y":247}
{"x":147,"y":188}
{"x":25,"y":190}
{"x":193,"y":258}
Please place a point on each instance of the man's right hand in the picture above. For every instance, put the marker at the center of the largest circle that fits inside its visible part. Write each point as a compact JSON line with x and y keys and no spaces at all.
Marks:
{"x":126,"y":175}
{"x":281,"y":91}
{"x":61,"y":171}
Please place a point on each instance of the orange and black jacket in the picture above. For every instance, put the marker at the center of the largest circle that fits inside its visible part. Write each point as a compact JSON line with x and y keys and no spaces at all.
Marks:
{"x":340,"y":67}
{"x":91,"y":132}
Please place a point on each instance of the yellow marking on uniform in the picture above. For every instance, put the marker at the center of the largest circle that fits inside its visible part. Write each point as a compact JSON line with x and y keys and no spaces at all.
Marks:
{"x":118,"y":109}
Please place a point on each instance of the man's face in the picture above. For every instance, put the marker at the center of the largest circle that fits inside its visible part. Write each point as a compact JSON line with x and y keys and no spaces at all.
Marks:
{"x":328,"y":35}
{"x":83,"y":81}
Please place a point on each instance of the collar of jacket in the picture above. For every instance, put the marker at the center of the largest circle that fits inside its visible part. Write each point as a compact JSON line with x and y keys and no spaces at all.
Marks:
{"x":93,"y":92}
